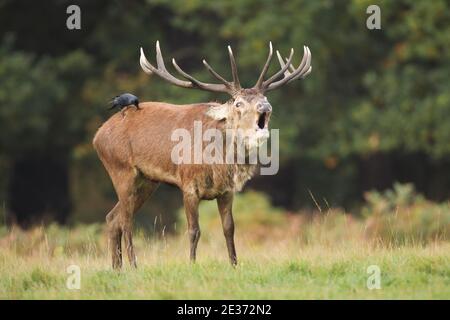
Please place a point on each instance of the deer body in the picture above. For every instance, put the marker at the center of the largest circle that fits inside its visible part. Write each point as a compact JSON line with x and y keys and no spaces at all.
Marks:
{"x":136,"y":150}
{"x":142,"y":141}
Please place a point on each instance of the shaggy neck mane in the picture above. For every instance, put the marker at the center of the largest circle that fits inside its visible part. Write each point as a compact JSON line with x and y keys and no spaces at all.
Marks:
{"x":237,"y":174}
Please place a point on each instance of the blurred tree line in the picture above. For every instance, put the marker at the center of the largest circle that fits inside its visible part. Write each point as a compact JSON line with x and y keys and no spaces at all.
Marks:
{"x":375,"y":110}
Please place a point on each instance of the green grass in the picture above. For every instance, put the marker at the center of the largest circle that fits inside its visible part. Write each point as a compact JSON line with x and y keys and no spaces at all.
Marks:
{"x":282,"y":265}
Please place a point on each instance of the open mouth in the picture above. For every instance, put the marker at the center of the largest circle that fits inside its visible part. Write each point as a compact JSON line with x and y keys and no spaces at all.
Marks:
{"x":262,"y":119}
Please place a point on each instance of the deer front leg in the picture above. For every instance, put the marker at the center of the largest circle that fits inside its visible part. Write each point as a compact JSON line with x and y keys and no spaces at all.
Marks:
{"x":191,"y":208}
{"x":225,"y":204}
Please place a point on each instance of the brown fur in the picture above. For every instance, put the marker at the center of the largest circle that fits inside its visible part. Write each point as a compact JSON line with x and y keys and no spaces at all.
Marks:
{"x":136,"y":148}
{"x":136,"y":151}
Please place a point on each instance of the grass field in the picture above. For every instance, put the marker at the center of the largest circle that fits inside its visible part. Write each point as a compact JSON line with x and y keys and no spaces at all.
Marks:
{"x":325,"y":255}
{"x":278,"y":269}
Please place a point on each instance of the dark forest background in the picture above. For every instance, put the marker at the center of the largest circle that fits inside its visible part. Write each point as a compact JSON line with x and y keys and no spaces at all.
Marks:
{"x":374,"y":111}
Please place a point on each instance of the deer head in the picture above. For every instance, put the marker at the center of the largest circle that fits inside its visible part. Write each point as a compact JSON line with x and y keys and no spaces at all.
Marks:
{"x":248,"y":109}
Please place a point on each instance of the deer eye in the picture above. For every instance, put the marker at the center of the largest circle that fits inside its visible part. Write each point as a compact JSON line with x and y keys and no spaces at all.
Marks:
{"x":238,"y":104}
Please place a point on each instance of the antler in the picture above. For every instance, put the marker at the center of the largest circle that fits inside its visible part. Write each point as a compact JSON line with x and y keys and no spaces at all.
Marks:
{"x":300,"y":72}
{"x":232,"y":87}
{"x":161,"y":71}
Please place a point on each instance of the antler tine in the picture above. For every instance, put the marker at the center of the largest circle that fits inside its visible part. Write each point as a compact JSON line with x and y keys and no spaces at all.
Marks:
{"x":304,"y":74}
{"x":300,"y":72}
{"x":303,"y":69}
{"x":283,"y":69}
{"x":265,"y":68}
{"x":199,"y":84}
{"x":234,"y":72}
{"x":300,"y":75}
{"x":306,"y":68}
{"x":159,"y":58}
{"x":282,"y":64}
{"x":215,"y":74}
{"x":145,"y":65}
{"x":162,"y":72}
{"x":290,"y":67}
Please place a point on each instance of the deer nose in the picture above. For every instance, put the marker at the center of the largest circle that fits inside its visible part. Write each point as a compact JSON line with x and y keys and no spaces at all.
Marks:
{"x":264,"y":107}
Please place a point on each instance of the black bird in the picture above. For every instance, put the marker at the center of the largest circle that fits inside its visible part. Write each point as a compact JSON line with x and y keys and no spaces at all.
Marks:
{"x":124,"y":100}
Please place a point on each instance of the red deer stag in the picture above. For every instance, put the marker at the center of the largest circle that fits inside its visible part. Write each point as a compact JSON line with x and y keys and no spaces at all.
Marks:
{"x":136,"y":148}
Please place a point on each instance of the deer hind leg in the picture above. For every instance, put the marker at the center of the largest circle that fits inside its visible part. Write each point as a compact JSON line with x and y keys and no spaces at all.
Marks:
{"x":115,"y":236}
{"x":142,"y":190}
{"x":225,"y":204}
{"x":132,"y":190}
{"x":191,"y":203}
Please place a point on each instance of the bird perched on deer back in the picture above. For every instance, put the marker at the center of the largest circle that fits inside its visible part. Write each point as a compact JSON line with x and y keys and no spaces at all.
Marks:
{"x":125,"y":100}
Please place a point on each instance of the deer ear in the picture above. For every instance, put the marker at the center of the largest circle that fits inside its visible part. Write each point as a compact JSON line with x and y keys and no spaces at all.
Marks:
{"x":218,"y":112}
